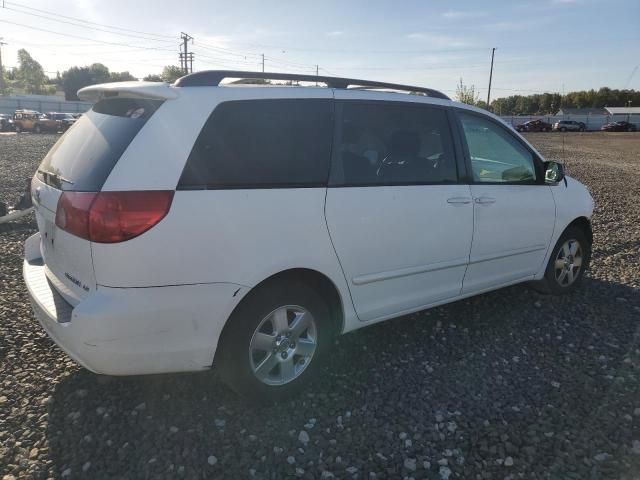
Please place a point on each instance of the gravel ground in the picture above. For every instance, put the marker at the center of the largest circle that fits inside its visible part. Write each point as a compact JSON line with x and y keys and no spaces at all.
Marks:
{"x":510,"y":384}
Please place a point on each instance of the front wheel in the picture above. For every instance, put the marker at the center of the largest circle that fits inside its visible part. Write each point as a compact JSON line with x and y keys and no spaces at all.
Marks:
{"x":567,"y":264}
{"x":563,"y":129}
{"x":18,"y":129}
{"x":37,"y":129}
{"x":582,"y":129}
{"x":275,"y":340}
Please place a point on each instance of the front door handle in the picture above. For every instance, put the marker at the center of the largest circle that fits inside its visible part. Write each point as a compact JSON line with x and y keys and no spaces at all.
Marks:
{"x":459,"y":200}
{"x":485,"y":200}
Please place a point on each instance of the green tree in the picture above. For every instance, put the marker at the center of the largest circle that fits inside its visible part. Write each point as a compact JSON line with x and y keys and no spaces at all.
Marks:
{"x":78,"y":77}
{"x":466,"y":94}
{"x":122,"y":77}
{"x":152,"y":78}
{"x":30,"y":74}
{"x":171,"y":73}
{"x":4,"y":82}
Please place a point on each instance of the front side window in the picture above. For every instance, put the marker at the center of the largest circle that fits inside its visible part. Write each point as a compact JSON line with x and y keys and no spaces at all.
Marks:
{"x":262,"y":144}
{"x":496,"y":155}
{"x":392,"y":144}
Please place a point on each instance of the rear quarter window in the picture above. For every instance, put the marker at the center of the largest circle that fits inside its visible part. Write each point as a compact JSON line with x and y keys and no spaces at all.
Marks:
{"x":262,"y":144}
{"x":82,"y":159}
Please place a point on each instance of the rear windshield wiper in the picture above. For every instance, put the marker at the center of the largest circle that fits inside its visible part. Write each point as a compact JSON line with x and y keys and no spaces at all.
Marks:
{"x":53,"y":179}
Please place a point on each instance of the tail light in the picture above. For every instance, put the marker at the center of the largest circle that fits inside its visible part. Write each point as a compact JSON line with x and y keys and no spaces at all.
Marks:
{"x":111,"y":217}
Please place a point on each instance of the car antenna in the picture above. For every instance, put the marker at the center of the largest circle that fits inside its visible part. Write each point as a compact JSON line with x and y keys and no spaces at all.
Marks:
{"x":563,"y":133}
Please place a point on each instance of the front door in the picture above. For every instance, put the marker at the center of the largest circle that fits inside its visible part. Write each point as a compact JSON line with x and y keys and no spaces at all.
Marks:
{"x":400,"y":223}
{"x":514,"y":211}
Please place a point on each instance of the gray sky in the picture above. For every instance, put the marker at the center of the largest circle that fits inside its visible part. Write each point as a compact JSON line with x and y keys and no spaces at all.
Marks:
{"x":542,"y":45}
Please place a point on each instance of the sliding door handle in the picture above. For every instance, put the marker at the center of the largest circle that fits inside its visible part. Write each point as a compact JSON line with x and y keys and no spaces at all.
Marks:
{"x":485,"y":200}
{"x":459,"y":200}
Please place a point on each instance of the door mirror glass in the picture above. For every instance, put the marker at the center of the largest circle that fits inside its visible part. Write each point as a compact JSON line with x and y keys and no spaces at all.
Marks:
{"x":553,"y":172}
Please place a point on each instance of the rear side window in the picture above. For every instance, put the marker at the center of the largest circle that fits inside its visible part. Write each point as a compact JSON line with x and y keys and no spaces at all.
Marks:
{"x":262,"y":144}
{"x":392,"y":144}
{"x":82,"y":159}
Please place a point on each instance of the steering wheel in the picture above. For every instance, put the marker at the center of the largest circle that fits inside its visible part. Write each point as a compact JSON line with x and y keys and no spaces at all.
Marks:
{"x":394,"y":159}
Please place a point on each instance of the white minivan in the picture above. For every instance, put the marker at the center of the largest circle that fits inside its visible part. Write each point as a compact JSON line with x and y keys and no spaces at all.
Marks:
{"x":242,"y":226}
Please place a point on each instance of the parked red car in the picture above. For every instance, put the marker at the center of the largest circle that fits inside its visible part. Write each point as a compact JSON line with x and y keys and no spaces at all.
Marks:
{"x":619,"y":127}
{"x":534,"y":126}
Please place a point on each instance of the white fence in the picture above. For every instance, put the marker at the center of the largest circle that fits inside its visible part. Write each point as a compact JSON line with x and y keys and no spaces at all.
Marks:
{"x":592,"y":122}
{"x":41,"y":103}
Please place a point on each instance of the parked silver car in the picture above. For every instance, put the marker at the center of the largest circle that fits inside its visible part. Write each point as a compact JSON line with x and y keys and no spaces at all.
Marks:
{"x":569,"y":126}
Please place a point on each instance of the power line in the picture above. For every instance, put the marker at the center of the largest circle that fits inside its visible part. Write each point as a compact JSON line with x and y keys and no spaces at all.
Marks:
{"x":4,"y":2}
{"x":85,"y":38}
{"x":88,"y":26}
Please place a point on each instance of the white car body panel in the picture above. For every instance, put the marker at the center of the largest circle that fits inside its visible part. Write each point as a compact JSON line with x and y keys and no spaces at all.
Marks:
{"x":511,"y":235}
{"x":159,"y":302}
{"x":573,"y":201}
{"x":400,"y":247}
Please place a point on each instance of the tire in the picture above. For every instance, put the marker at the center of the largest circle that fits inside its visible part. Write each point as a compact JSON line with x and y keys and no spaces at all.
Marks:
{"x":630,"y":129}
{"x":18,"y":129}
{"x":581,"y":129}
{"x":572,"y":245}
{"x":259,"y":374}
{"x":563,"y":129}
{"x":37,"y":129}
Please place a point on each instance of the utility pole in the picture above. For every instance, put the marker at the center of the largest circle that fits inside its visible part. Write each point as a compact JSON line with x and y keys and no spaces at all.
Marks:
{"x":184,"y":54}
{"x":263,"y":63}
{"x":317,"y":68}
{"x":190,"y":55}
{"x":493,"y":51}
{"x":1,"y":71}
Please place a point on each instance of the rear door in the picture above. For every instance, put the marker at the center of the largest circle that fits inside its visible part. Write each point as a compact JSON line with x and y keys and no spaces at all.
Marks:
{"x":81,"y":161}
{"x":400,"y":222}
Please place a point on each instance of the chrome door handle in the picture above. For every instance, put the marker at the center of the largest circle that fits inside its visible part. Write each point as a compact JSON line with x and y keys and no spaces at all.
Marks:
{"x":459,"y":200}
{"x":484,"y":200}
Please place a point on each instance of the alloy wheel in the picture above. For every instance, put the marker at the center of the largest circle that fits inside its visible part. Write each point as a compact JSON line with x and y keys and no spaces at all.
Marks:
{"x":283,"y":344}
{"x":568,"y":263}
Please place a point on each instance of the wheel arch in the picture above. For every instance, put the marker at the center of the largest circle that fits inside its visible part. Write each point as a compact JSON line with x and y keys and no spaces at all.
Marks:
{"x":312,"y":278}
{"x":585,"y":224}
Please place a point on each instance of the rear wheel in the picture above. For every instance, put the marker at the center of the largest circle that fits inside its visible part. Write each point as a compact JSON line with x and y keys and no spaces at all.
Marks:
{"x":582,"y":129}
{"x":275,"y":341}
{"x":18,"y":129}
{"x":37,"y":129}
{"x":567,"y":264}
{"x":630,"y":129}
{"x":563,"y":129}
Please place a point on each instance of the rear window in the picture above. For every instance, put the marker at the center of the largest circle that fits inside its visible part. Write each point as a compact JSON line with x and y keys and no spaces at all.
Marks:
{"x":262,"y":144}
{"x":82,"y":158}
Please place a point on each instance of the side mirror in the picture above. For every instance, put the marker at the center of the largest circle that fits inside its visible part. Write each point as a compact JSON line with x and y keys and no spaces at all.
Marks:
{"x":553,"y":172}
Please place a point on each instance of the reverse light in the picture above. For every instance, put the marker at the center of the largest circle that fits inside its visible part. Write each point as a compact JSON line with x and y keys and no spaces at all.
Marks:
{"x":111,"y":217}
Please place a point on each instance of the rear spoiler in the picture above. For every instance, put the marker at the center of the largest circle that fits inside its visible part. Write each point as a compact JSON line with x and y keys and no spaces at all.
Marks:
{"x":155,"y":90}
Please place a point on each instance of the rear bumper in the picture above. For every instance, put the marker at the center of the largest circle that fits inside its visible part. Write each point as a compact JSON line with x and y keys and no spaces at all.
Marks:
{"x":132,"y":331}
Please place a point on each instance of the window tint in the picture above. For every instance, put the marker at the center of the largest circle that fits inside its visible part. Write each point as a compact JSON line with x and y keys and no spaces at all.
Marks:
{"x":392,"y":144}
{"x":496,"y":155}
{"x":83,"y":158}
{"x":262,"y":143}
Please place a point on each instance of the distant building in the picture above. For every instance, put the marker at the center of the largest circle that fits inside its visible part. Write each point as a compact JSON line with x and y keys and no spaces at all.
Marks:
{"x":582,"y":111}
{"x":623,"y":110}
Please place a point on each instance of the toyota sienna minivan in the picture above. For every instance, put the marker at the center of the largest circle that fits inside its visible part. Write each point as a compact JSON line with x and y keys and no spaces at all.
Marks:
{"x":207,"y":224}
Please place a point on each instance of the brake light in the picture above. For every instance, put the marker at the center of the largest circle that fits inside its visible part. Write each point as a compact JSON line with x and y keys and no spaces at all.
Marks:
{"x":111,"y":217}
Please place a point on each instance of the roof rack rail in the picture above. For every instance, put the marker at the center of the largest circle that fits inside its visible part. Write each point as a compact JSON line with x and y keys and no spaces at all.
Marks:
{"x":212,"y":78}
